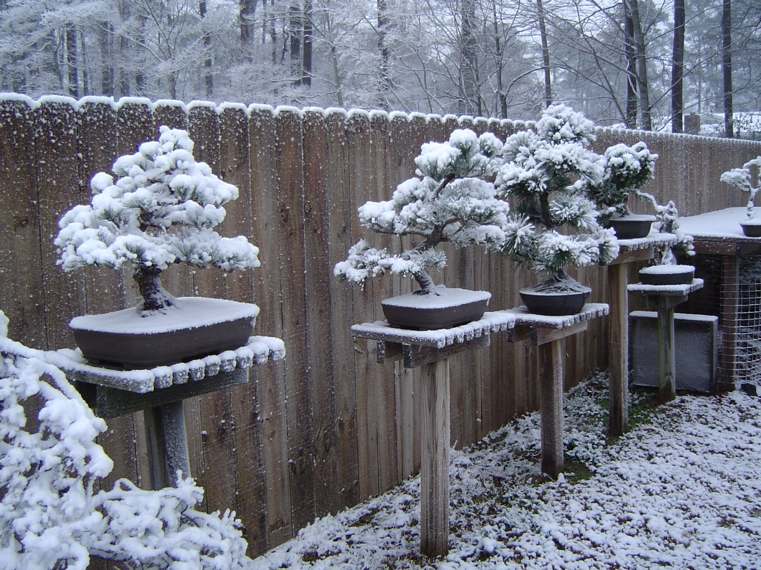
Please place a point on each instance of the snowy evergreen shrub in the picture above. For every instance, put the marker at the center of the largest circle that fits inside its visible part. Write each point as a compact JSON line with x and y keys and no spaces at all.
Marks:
{"x":161,"y":209}
{"x":625,"y":169}
{"x":741,"y":178}
{"x":50,"y":514}
{"x":548,"y":175}
{"x":450,"y":200}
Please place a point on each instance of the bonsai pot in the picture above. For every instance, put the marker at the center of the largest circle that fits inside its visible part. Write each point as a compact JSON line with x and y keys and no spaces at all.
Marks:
{"x":192,"y":328}
{"x":444,"y":308}
{"x":667,"y":275}
{"x":632,"y":226}
{"x":554,"y":303}
{"x":751,"y":228}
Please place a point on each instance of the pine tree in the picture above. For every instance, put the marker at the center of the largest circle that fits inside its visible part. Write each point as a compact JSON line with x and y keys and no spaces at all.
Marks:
{"x":161,"y":210}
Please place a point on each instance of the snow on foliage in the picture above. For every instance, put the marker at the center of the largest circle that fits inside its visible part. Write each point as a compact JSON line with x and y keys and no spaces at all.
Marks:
{"x":549,"y":175}
{"x":625,"y":169}
{"x":50,"y":515}
{"x":161,"y":209}
{"x":741,"y":178}
{"x":450,"y":199}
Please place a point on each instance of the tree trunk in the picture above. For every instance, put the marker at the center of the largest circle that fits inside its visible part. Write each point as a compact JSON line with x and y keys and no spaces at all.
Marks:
{"x":124,"y":51}
{"x":208,"y":77}
{"x":726,"y":66}
{"x":642,"y":82}
{"x":499,"y":55}
{"x":246,"y":12}
{"x":631,"y":68}
{"x":294,"y":37}
{"x":425,"y":281}
{"x":677,"y":69}
{"x":140,"y":72}
{"x":384,"y":78}
{"x":106,"y":44}
{"x":71,"y":60}
{"x":470,"y":99}
{"x":306,"y":75}
{"x":148,"y":280}
{"x":83,"y":64}
{"x":545,"y":54}
{"x":273,"y":31}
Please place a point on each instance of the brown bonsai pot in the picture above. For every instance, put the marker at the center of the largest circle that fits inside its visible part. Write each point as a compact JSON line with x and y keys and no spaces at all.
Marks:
{"x":751,"y":229}
{"x":667,"y":275}
{"x":444,"y":308}
{"x":631,"y":226}
{"x":554,"y":303}
{"x":193,"y":327}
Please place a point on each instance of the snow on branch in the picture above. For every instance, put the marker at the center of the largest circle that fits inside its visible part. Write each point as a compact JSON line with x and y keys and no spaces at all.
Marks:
{"x":667,"y":221}
{"x":742,"y":179}
{"x":50,"y":515}
{"x":450,"y":200}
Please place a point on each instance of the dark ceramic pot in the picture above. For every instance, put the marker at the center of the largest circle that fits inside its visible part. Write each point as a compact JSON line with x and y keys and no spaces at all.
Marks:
{"x":751,"y":230}
{"x":631,"y":227}
{"x":136,"y":349}
{"x":680,"y":276}
{"x":554,"y":303}
{"x":401,"y":313}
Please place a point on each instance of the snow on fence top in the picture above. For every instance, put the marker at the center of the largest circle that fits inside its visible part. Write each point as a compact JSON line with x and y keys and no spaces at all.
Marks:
{"x":463,"y":120}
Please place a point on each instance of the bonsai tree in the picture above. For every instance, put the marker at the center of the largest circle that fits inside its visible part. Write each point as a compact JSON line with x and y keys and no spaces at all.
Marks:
{"x":547,"y":175}
{"x":741,"y":178}
{"x":160,"y":210}
{"x":624,"y":170}
{"x":667,"y":221}
{"x":449,"y":200}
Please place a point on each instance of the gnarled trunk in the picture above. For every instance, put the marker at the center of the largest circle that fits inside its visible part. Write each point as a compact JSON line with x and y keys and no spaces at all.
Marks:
{"x":148,"y":280}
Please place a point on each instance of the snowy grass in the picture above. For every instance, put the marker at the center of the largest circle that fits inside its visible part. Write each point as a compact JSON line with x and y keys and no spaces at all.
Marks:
{"x":681,"y":488}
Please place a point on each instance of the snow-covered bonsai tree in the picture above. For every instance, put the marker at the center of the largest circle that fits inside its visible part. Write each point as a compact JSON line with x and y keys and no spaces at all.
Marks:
{"x":547,"y":175}
{"x":625,"y":169}
{"x":667,"y":221}
{"x":449,"y":200}
{"x":742,"y":178}
{"x":52,"y":515}
{"x":161,"y":209}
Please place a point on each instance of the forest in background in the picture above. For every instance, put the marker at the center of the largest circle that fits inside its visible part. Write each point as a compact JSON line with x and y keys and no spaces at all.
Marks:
{"x":639,"y":63}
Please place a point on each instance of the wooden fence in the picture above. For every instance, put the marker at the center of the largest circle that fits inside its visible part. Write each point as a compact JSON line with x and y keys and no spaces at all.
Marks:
{"x":328,"y":427}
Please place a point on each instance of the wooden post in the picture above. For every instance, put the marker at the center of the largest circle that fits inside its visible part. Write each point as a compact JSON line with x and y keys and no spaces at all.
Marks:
{"x":618,"y":419}
{"x":551,"y":382}
{"x":434,"y":469}
{"x":167,"y":444}
{"x":730,"y":284}
{"x":666,"y":360}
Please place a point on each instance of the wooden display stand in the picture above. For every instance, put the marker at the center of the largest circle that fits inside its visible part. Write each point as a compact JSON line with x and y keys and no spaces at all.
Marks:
{"x":431,"y":350}
{"x":630,"y":251}
{"x":547,"y":334}
{"x":665,"y":298}
{"x":160,"y":393}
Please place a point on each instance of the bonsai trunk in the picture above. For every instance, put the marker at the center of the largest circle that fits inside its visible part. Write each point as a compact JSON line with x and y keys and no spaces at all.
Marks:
{"x":149,"y":282}
{"x":560,"y":281}
{"x":425,"y":281}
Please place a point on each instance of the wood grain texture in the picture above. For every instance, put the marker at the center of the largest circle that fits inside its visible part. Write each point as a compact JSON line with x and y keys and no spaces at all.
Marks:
{"x":551,"y":382}
{"x":666,"y":357}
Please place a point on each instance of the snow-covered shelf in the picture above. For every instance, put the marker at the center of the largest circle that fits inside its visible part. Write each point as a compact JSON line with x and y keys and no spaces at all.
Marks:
{"x":491,"y":322}
{"x":666,"y":290}
{"x":590,"y":311}
{"x":258,"y":350}
{"x":719,"y":224}
{"x":654,"y":239}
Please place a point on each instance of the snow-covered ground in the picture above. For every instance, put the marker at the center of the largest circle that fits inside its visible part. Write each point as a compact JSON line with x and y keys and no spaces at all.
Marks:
{"x":681,"y":489}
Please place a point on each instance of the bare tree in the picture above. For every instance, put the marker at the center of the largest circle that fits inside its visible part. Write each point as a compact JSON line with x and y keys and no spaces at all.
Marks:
{"x":246,"y":14}
{"x":726,"y":66}
{"x":545,"y":53}
{"x":308,"y":30}
{"x":470,"y":100}
{"x":643,"y":87}
{"x":72,"y":69}
{"x":677,"y":68}
{"x":630,"y":52}
{"x":207,"y":63}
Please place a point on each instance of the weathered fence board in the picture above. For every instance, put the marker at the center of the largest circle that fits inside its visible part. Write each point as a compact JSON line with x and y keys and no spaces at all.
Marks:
{"x":329,"y":426}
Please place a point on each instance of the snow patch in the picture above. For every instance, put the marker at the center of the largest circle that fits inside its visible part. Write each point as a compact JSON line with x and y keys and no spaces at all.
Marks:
{"x":439,"y":298}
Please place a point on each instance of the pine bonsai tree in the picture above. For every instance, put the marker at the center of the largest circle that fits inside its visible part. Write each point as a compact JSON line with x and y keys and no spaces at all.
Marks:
{"x":624,"y":170}
{"x":449,"y":200}
{"x":741,"y":178}
{"x":161,"y":210}
{"x":548,"y":175}
{"x":667,"y":221}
